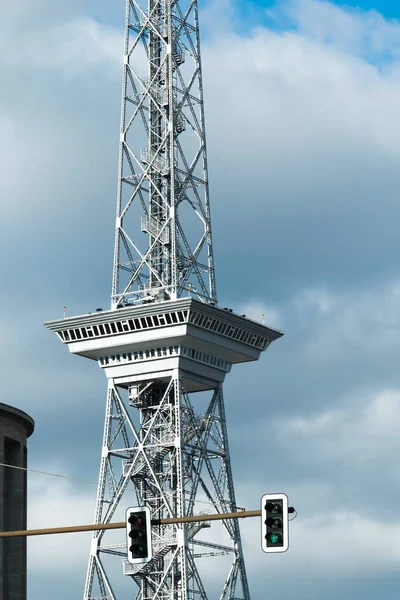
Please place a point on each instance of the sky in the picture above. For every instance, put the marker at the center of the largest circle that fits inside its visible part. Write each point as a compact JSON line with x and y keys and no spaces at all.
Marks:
{"x":304,"y":177}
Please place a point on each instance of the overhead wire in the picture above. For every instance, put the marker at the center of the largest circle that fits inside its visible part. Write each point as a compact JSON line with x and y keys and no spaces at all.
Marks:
{"x":47,"y":473}
{"x":92,"y":482}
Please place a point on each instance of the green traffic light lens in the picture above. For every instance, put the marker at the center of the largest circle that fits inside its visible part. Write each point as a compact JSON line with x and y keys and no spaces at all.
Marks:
{"x":275,"y":538}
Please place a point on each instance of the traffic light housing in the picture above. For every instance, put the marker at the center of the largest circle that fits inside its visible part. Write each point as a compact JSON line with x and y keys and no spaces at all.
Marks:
{"x":138,"y":534}
{"x":274,"y":523}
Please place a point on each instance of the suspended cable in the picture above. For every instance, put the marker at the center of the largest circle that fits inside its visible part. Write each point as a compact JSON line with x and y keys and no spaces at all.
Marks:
{"x":46,"y":473}
{"x":95,"y":482}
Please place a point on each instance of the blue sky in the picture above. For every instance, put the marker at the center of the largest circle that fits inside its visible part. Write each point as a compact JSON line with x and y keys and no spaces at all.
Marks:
{"x":387,"y":8}
{"x":304,"y":164}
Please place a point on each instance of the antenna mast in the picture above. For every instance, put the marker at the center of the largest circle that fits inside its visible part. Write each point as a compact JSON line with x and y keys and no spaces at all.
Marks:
{"x":163,"y":180}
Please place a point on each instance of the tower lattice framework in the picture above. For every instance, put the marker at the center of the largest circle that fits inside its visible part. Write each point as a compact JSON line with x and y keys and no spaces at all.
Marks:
{"x":163,"y":179}
{"x":165,"y":345}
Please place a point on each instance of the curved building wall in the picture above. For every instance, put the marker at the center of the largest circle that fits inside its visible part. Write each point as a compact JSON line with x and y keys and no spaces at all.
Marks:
{"x":15,"y":427}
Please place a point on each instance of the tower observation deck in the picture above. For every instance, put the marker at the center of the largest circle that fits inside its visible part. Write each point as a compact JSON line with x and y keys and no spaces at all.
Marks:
{"x":165,"y":345}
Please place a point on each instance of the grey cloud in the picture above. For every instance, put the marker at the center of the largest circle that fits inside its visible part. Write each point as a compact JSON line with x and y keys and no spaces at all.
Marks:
{"x":311,"y":135}
{"x":315,"y":416}
{"x":304,"y":165}
{"x":361,"y":32}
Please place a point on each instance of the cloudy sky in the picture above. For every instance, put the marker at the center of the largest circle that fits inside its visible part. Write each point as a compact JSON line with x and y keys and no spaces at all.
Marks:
{"x":305,"y":178}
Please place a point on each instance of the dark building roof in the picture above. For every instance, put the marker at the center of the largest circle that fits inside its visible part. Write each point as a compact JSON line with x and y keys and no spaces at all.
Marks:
{"x":18,"y":415}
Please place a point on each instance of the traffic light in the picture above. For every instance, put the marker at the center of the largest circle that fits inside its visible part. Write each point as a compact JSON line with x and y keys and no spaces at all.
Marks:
{"x":138,"y":534}
{"x":274,"y":523}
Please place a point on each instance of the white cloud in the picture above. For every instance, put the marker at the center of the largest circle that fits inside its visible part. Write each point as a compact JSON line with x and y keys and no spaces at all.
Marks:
{"x":55,"y":502}
{"x":332,"y":544}
{"x":382,"y":415}
{"x":313,"y":134}
{"x":317,"y":424}
{"x":365,"y":322}
{"x":9,"y":154}
{"x":302,"y":105}
{"x":58,"y":503}
{"x":70,"y":48}
{"x":333,"y":541}
{"x":218,"y":18}
{"x":256,"y":310}
{"x":334,"y":324}
{"x":324,"y":538}
{"x":362,"y":434}
{"x":351,"y":29}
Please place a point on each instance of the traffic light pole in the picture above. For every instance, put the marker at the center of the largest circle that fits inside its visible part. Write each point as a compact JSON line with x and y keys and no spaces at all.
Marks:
{"x":121,"y":525}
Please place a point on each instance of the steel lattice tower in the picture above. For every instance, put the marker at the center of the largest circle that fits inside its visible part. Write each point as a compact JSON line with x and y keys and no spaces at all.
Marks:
{"x":165,"y":346}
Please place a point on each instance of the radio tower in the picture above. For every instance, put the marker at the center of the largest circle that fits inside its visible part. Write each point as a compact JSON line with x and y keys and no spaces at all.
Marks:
{"x":165,"y":346}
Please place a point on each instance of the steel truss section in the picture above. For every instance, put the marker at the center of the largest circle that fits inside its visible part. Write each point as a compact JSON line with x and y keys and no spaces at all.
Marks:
{"x":167,"y":457}
{"x":163,"y":179}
